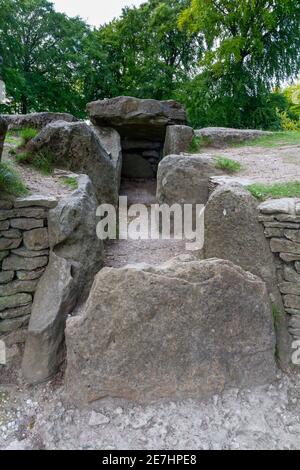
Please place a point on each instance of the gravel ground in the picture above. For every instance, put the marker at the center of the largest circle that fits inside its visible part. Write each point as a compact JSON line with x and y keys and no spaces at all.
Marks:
{"x":261,"y":418}
{"x":265,"y":165}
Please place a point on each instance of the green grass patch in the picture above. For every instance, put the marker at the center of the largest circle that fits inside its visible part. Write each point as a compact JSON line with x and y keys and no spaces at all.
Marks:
{"x":12,"y":138}
{"x":70,"y":181}
{"x":195,"y":145}
{"x":228,"y":165}
{"x":42,"y":161}
{"x":277,"y":139}
{"x":275,"y":191}
{"x":27,"y":134}
{"x":10,"y":180}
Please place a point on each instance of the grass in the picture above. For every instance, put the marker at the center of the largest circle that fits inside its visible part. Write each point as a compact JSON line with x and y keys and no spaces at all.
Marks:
{"x":10,"y":180}
{"x":195,"y":145}
{"x":275,"y":191}
{"x":27,"y":134}
{"x":228,"y":165}
{"x":12,"y":138}
{"x":70,"y":181}
{"x":42,"y":161}
{"x":277,"y":139}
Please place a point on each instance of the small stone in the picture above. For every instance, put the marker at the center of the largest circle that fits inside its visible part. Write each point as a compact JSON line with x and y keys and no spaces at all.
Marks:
{"x":274,"y":232}
{"x":285,"y":246}
{"x":289,"y":257}
{"x":19,"y":263}
{"x":17,"y":287}
{"x":287,"y":218}
{"x":26,"y":224}
{"x":292,"y":311}
{"x":278,"y":206}
{"x":290,"y":274}
{"x":4,"y":225}
{"x":288,"y":225}
{"x":6,"y":204}
{"x":297,"y":266}
{"x":6,"y":276}
{"x":292,"y":301}
{"x":9,"y":244}
{"x":37,"y":239}
{"x":16,"y":312}
{"x":266,"y":218}
{"x":32,"y":212}
{"x":13,"y":324}
{"x":13,"y":301}
{"x":30,"y":254}
{"x":35,"y":200}
{"x":293,"y":235}
{"x":30,"y":275}
{"x":290,"y":288}
{"x":13,"y":233}
{"x":98,"y":419}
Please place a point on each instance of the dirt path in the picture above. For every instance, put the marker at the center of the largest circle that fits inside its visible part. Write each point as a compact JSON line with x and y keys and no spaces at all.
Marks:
{"x":264,"y":165}
{"x":118,"y":253}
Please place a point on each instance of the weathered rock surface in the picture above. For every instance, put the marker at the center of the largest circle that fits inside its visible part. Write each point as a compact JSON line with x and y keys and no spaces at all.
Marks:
{"x":178,"y":139}
{"x":220,"y":136}
{"x":76,"y":256}
{"x":77,"y":147}
{"x":111,"y":142}
{"x":26,"y":223}
{"x":233,"y":232}
{"x":35,"y":120}
{"x":137,"y":118}
{"x":15,"y":263}
{"x":3,"y":130}
{"x":184,"y":179}
{"x":183,"y":329}
{"x":36,"y":200}
{"x":36,"y":239}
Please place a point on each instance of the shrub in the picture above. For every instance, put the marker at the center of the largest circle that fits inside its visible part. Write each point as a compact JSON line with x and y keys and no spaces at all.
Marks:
{"x":287,"y":123}
{"x":10,"y":180}
{"x":228,"y":165}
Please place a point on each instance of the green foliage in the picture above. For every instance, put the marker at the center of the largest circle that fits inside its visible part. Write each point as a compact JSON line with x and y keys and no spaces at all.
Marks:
{"x":27,"y":134}
{"x":71,"y":182}
{"x":228,"y":165}
{"x":292,"y":93}
{"x":42,"y":161}
{"x":195,"y":145}
{"x":10,"y":180}
{"x":275,"y":191}
{"x":287,"y":123}
{"x":250,"y":47}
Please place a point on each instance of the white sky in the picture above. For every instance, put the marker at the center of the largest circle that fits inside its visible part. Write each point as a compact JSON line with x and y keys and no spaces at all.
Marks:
{"x":94,"y":12}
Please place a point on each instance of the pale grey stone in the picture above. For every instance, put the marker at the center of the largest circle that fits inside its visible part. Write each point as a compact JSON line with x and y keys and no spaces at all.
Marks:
{"x":178,"y":140}
{"x":36,"y":200}
{"x":98,"y":419}
{"x":111,"y":141}
{"x":184,"y":329}
{"x":287,"y":225}
{"x":289,"y":257}
{"x":37,"y":239}
{"x":9,"y":244}
{"x":26,"y":224}
{"x":13,"y":301}
{"x":222,"y":136}
{"x":16,"y":312}
{"x":278,"y":206}
{"x":292,"y":301}
{"x":274,"y":232}
{"x":17,"y":263}
{"x":28,"y":253}
{"x":29,"y":212}
{"x":4,"y":225}
{"x":293,"y":235}
{"x":279,"y":245}
{"x":13,"y":324}
{"x":16,"y":287}
{"x":290,"y":288}
{"x":13,"y":233}
{"x":30,"y":275}
{"x":6,"y":276}
{"x":297,"y":266}
{"x":290,"y":274}
{"x":36,"y":120}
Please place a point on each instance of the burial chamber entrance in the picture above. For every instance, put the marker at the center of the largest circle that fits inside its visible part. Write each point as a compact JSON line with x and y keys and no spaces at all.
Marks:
{"x":142,"y":126}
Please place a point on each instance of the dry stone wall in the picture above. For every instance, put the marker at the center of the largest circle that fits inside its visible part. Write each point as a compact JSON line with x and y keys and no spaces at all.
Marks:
{"x":24,"y":254}
{"x":281,"y":220}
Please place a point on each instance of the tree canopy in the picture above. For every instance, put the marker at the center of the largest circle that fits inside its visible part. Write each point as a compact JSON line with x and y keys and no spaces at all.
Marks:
{"x":221,"y":58}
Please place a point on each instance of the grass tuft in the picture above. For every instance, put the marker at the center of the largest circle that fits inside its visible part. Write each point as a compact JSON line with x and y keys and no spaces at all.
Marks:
{"x":277,"y":139}
{"x":70,"y":181}
{"x":42,"y":161}
{"x":228,"y":165}
{"x":10,"y":180}
{"x":27,"y":134}
{"x":195,"y":145}
{"x":275,"y":191}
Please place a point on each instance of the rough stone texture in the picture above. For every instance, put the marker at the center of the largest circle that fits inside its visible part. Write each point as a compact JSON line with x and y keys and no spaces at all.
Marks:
{"x":29,"y":254}
{"x":26,"y":224}
{"x":9,"y":244}
{"x":135,"y":166}
{"x":184,"y":179}
{"x":16,"y":312}
{"x":222,"y":136}
{"x":36,"y":120}
{"x":3,"y":130}
{"x":13,"y":324}
{"x":136,"y":118}
{"x":111,"y":142}
{"x":16,"y":263}
{"x":6,"y":276}
{"x":13,"y":301}
{"x":30,"y":275}
{"x":183,"y":329}
{"x":55,"y":297}
{"x":233,"y":232}
{"x":16,"y":287}
{"x":37,"y":239}
{"x":37,"y":201}
{"x":76,"y":256}
{"x":77,"y":147}
{"x":178,"y":140}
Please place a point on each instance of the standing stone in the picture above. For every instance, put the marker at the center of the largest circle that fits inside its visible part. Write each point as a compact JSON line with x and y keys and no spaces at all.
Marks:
{"x":111,"y":142}
{"x":185,"y":329}
{"x":3,"y":130}
{"x":233,"y":232}
{"x":178,"y":140}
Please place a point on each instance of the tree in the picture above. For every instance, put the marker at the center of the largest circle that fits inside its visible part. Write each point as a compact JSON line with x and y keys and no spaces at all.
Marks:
{"x":250,"y":47}
{"x":41,"y":52}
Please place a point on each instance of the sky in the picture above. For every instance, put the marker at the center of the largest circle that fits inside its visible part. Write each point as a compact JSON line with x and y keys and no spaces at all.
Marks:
{"x":94,"y":12}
